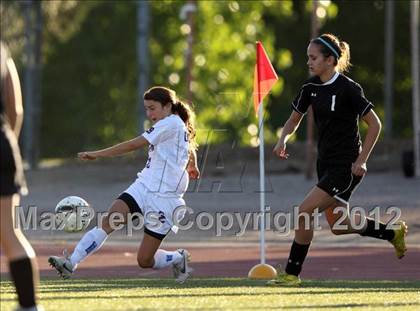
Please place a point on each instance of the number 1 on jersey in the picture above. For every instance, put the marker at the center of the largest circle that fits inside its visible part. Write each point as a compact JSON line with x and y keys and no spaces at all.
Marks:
{"x":333,"y":103}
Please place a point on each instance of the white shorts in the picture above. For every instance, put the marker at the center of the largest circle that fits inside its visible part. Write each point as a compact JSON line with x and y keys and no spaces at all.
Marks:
{"x":158,"y":211}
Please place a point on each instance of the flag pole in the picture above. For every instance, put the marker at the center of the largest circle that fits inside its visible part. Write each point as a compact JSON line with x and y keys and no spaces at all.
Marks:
{"x":262,"y":184}
{"x":262,"y":270}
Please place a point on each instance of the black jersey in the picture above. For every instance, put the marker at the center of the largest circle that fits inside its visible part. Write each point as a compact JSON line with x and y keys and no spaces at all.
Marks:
{"x":337,"y":105}
{"x":12,"y":179}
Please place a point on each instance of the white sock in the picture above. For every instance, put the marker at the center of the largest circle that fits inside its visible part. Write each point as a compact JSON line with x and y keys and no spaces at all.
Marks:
{"x":165,"y":258}
{"x":89,"y":244}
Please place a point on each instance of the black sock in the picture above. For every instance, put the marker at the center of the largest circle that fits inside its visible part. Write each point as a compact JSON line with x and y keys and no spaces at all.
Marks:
{"x":382,"y":233}
{"x":22,"y":275}
{"x":296,"y":258}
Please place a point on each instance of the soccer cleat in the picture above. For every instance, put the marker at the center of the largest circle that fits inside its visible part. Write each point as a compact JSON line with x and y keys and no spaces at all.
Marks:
{"x":284,"y":279}
{"x":62,"y":264}
{"x":181,"y":270}
{"x":399,"y":239}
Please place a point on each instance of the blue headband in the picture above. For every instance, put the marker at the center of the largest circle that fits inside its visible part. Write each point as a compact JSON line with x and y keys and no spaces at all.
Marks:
{"x":329,"y":46}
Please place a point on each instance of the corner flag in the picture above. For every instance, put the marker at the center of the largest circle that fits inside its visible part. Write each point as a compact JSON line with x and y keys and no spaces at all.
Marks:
{"x":264,"y":79}
{"x":264,"y":76}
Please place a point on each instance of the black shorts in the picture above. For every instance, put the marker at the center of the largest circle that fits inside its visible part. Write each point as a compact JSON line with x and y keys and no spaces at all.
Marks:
{"x":135,"y":208}
{"x":337,"y":180}
{"x":12,"y":179}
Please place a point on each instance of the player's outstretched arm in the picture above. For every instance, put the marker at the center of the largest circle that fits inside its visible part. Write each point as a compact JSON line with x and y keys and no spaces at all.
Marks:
{"x":116,"y":150}
{"x":289,"y":128}
{"x":359,"y":167}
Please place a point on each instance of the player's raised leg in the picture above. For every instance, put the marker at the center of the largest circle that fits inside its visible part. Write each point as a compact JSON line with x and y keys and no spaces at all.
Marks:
{"x":396,"y":236}
{"x":90,"y":242}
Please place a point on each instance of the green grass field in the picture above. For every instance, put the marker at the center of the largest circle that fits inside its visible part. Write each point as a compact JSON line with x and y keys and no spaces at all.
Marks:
{"x":219,"y":294}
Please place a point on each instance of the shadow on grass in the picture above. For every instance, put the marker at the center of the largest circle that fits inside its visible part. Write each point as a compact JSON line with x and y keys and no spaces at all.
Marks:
{"x":346,"y":305}
{"x":307,"y":287}
{"x":278,"y":307}
{"x":380,"y":284}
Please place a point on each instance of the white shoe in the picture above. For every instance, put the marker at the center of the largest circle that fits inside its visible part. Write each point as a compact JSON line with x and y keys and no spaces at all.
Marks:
{"x":181,"y":270}
{"x":63,"y":265}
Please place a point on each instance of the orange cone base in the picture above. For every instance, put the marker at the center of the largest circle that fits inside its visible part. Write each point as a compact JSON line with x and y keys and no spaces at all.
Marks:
{"x":262,"y":272}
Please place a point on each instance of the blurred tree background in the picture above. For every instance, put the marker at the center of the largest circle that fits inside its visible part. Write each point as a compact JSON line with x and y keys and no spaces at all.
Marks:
{"x":89,"y":66}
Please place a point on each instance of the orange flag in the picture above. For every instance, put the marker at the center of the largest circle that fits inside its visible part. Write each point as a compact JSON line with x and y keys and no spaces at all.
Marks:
{"x":264,"y":76}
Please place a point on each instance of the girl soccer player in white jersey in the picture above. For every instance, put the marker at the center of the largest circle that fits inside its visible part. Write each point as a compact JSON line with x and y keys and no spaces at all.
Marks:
{"x":158,"y":191}
{"x":338,"y":103}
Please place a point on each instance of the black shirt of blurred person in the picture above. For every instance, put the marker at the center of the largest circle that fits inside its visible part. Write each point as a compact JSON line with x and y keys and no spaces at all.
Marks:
{"x":12,"y":179}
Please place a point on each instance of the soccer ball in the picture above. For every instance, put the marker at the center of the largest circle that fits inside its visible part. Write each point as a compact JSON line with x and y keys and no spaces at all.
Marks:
{"x":73,"y":214}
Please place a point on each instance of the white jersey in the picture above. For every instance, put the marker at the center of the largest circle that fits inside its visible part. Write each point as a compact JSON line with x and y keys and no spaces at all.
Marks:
{"x":165,"y":171}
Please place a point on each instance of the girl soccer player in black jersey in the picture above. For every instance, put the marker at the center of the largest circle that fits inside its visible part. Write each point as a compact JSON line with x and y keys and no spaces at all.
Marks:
{"x":338,"y":103}
{"x":20,"y":255}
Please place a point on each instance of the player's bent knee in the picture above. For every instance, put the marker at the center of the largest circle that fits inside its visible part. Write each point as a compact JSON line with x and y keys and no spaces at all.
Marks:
{"x":110,"y":224}
{"x":116,"y":217}
{"x":106,"y":226}
{"x":9,"y":241}
{"x":145,"y":262}
{"x":338,"y":231}
{"x":14,"y":246}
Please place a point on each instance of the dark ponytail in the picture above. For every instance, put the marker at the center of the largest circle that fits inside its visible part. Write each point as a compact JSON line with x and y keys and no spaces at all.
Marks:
{"x":166,"y":96}
{"x":330,"y":45}
{"x":4,"y":55}
{"x":344,"y":61}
